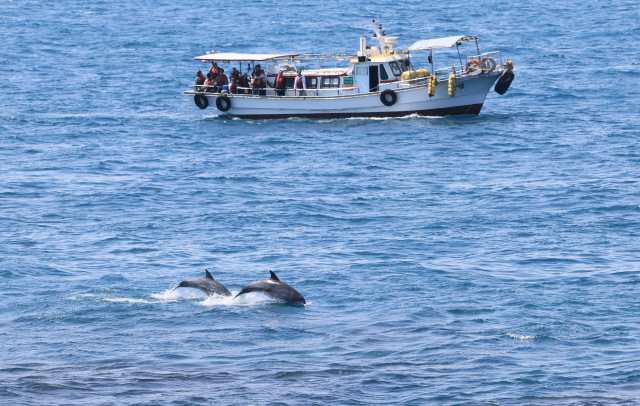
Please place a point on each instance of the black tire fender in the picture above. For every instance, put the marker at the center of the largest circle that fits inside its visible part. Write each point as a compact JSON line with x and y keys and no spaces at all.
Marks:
{"x":223,"y":103}
{"x":388,"y":97}
{"x":504,"y":82}
{"x":201,"y":101}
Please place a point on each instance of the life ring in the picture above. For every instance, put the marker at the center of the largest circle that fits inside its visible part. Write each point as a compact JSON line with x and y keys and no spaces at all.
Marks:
{"x":201,"y":101}
{"x":486,"y":61}
{"x":388,"y":97}
{"x":223,"y":103}
{"x":473,"y":65}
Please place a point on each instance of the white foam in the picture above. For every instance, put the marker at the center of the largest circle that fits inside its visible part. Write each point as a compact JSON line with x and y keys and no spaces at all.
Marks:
{"x":520,"y":336}
{"x":125,"y":300}
{"x":178,"y":294}
{"x":249,"y":299}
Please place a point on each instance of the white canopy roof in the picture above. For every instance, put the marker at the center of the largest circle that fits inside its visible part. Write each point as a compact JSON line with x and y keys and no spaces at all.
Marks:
{"x":446,"y":42}
{"x":232,"y":56}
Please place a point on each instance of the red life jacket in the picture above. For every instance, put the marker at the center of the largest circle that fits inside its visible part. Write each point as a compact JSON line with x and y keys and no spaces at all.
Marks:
{"x":221,"y":80}
{"x":245,"y":82}
{"x":299,"y":83}
{"x":280,"y":82}
{"x":233,"y":87}
{"x":200,"y":80}
{"x":255,"y":83}
{"x":208,"y":82}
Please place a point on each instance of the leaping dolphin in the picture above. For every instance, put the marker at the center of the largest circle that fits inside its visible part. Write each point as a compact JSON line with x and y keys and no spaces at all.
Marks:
{"x":274,"y":289}
{"x":207,"y":285}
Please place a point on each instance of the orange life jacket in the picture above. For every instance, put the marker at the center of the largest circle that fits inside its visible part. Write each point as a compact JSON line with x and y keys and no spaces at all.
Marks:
{"x":299,"y":83}
{"x":280,"y":83}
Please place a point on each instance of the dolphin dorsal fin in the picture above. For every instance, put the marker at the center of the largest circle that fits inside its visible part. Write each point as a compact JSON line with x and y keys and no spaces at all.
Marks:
{"x":208,"y":275}
{"x":274,"y":277}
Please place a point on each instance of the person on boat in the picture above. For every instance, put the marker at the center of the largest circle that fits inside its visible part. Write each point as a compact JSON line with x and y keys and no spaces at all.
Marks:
{"x":234,"y":74}
{"x":300,"y":83}
{"x":279,"y":84}
{"x":233,"y":86}
{"x":221,"y":80}
{"x":256,"y":71}
{"x":208,"y":83}
{"x":262,"y":82}
{"x":200,"y":78}
{"x":244,"y":82}
{"x":255,"y":86}
{"x":214,"y":69}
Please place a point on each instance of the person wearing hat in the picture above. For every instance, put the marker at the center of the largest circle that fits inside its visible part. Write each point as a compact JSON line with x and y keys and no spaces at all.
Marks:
{"x":300,"y":83}
{"x":279,"y":84}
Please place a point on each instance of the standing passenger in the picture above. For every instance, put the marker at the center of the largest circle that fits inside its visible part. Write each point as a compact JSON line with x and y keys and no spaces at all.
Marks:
{"x":300,"y":83}
{"x":279,"y":84}
{"x":262,"y":82}
{"x":221,"y":80}
{"x":234,"y":74}
{"x":255,"y":86}
{"x":244,"y":82}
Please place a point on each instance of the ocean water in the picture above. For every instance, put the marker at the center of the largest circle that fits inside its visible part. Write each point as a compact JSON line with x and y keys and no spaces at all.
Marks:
{"x":491,"y":259}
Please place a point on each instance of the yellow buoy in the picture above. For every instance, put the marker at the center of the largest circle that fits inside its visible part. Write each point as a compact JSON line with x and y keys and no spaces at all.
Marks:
{"x":510,"y":65}
{"x":452,"y":85}
{"x":432,"y":85}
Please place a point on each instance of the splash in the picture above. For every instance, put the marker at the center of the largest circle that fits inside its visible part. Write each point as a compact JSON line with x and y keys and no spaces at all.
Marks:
{"x":521,"y":337}
{"x":179,"y":294}
{"x":249,"y":299}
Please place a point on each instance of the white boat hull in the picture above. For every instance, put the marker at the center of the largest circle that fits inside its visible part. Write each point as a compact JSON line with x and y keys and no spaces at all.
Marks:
{"x":471,"y":92}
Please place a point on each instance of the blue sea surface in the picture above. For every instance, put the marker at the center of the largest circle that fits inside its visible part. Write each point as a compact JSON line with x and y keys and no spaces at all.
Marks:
{"x":491,"y":259}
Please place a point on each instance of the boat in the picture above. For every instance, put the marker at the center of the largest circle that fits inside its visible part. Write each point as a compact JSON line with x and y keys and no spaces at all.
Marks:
{"x":378,"y":82}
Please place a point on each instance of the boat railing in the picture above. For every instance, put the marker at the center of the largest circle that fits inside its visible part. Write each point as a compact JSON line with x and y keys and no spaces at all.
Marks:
{"x":495,"y":55}
{"x":463,"y":70}
{"x":288,"y":92}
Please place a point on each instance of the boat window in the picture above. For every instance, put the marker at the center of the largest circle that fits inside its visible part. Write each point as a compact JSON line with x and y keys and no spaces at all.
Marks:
{"x":288,"y":82}
{"x":312,"y":83}
{"x":408,"y":63}
{"x":362,"y":70}
{"x":395,"y":69}
{"x":383,"y":73}
{"x":405,"y":65}
{"x":330,"y":83}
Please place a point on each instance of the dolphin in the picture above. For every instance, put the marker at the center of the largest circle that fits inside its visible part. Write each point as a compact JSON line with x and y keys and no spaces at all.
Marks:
{"x":207,"y":285}
{"x":274,"y":289}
